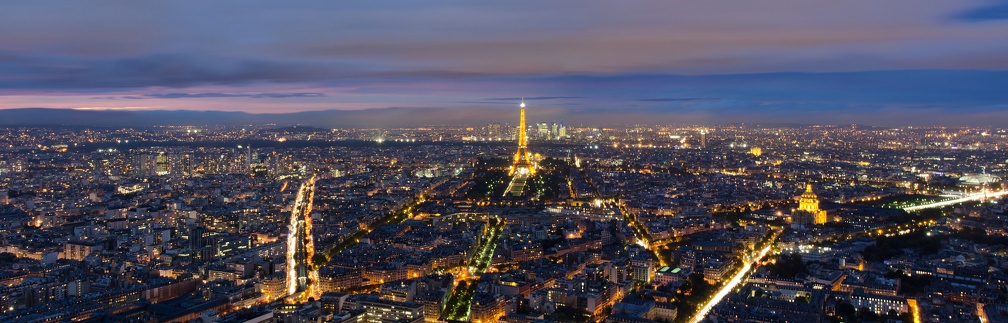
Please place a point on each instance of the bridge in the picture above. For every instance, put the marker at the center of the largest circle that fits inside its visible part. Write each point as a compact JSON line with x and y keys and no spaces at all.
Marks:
{"x":979,"y":196}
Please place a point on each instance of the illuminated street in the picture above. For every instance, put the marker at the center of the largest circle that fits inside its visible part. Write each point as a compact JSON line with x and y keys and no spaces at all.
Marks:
{"x":972,"y":197}
{"x":731,"y":284}
{"x":302,"y":276}
{"x":457,"y":306}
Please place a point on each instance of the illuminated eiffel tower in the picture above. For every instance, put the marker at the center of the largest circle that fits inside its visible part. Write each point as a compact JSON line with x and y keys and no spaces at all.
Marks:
{"x":522,"y":166}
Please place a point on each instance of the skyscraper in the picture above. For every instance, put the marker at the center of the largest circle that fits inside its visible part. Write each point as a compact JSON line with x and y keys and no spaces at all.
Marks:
{"x":163,"y":166}
{"x":703,"y":138}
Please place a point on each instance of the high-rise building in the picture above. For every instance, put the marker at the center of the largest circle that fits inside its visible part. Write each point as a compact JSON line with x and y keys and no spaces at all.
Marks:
{"x":198,"y":241}
{"x":163,"y":167}
{"x":543,"y":130}
{"x":494,"y":131}
{"x":144,"y":165}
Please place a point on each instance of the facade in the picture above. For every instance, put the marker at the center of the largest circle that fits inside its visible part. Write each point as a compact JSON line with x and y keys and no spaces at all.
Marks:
{"x":879,"y":303}
{"x":433,"y":303}
{"x":642,"y":270}
{"x":78,"y":250}
{"x":808,"y":208}
{"x":486,"y":308}
{"x":382,"y":311}
{"x":667,"y":275}
{"x":664,"y":312}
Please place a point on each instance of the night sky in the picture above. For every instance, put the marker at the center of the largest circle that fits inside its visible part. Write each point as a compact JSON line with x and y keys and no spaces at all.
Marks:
{"x":901,"y":62}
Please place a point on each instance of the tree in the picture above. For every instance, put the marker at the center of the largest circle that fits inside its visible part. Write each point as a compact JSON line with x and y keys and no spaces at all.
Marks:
{"x":788,"y":266}
{"x":866,"y":314}
{"x":846,"y":310}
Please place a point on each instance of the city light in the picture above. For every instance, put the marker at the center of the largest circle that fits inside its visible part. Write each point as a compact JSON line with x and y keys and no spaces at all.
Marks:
{"x":730,"y":285}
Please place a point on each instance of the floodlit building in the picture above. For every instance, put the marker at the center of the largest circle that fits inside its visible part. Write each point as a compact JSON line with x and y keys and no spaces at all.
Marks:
{"x":808,"y":208}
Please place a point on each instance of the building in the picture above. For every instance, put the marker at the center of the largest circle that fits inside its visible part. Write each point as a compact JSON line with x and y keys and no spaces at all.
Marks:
{"x":486,"y":308}
{"x":163,"y":167}
{"x":78,"y":250}
{"x":311,"y":312}
{"x":642,"y":270}
{"x":402,"y":291}
{"x":335,"y":280}
{"x":433,"y":302}
{"x":715,"y":270}
{"x":667,"y":275}
{"x":879,"y":303}
{"x":664,"y":311}
{"x":382,"y":311}
{"x":808,"y":209}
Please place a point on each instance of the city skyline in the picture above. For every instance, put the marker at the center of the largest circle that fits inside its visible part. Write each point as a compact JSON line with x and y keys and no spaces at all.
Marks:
{"x":710,"y":63}
{"x":503,"y":223}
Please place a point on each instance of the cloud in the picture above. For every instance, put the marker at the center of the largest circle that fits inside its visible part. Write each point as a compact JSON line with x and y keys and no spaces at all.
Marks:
{"x":533,"y":98}
{"x":279,"y":95}
{"x":427,"y":116}
{"x":813,"y":96}
{"x":997,"y":10}
{"x":98,"y":46}
{"x":676,"y":99}
{"x":163,"y":70}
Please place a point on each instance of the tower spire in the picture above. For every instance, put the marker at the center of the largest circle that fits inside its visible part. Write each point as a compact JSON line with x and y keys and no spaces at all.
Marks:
{"x":522,"y":140}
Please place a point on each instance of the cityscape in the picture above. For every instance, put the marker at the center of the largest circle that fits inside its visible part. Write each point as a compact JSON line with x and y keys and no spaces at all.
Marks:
{"x":455,"y":163}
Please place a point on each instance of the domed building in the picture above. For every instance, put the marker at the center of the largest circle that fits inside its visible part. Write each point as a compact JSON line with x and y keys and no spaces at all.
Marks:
{"x":808,"y":209}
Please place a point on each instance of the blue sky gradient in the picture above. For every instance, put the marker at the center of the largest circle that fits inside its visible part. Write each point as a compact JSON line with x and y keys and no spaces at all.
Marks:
{"x":878,"y":62}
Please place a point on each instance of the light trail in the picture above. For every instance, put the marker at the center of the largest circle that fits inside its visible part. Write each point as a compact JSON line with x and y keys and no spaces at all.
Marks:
{"x":301,"y":276}
{"x":971,"y":197}
{"x":980,"y":312}
{"x":727,"y":288}
{"x":915,"y":311}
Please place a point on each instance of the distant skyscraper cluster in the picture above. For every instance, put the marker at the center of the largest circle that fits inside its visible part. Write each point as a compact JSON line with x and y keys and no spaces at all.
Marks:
{"x":551,"y":131}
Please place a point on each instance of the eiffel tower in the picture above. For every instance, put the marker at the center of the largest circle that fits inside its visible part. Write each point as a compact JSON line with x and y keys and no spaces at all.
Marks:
{"x":522,"y":158}
{"x":522,"y":167}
